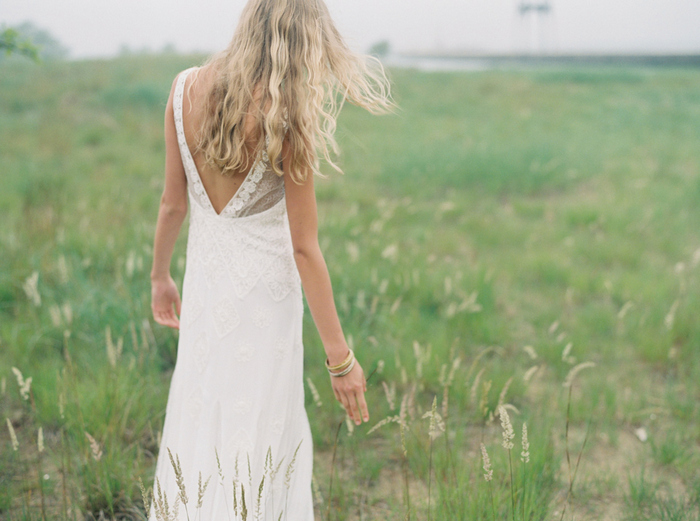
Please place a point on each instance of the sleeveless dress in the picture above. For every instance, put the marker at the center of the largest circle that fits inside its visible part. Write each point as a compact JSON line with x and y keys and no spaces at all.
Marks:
{"x":235,"y":414}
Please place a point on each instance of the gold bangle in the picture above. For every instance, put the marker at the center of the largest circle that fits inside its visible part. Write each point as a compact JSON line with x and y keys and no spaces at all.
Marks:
{"x":343,"y":364}
{"x":346,"y":370}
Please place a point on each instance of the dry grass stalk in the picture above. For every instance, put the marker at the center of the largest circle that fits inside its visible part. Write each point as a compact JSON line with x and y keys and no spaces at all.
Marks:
{"x":530,"y":373}
{"x":508,"y":435}
{"x":179,"y":480}
{"x":94,"y":447}
{"x":314,"y":392}
{"x":390,"y":392}
{"x":258,"y":501}
{"x":330,"y":481}
{"x":572,"y":475}
{"x":13,"y":435}
{"x":114,"y":352}
{"x":569,"y":380}
{"x":201,"y":490}
{"x":475,"y":386}
{"x":525,"y":454}
{"x":145,"y":496}
{"x":530,"y":352}
{"x":31,"y":288}
{"x":24,"y":385}
{"x":504,"y":392}
{"x":484,"y":401}
{"x":488,"y":471}
{"x":318,"y":498}
{"x":244,"y":508}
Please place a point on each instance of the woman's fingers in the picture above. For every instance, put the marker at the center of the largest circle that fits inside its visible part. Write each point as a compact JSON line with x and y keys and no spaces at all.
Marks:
{"x":350,"y":392}
{"x":346,"y":403}
{"x":165,"y":318}
{"x":363,"y":406}
{"x":355,"y":411}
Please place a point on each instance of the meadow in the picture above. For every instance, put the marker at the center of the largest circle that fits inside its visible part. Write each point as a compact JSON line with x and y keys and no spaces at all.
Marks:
{"x":510,"y":244}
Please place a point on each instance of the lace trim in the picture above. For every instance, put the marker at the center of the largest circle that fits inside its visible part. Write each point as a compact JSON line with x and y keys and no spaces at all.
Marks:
{"x":249,"y":184}
{"x":190,"y":167}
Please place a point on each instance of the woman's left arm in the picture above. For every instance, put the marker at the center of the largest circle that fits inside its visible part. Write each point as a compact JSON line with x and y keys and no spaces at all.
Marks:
{"x":165,"y":297}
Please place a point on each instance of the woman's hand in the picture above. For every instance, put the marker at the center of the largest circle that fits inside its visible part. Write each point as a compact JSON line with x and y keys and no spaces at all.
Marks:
{"x":350,"y":391}
{"x":165,"y":302}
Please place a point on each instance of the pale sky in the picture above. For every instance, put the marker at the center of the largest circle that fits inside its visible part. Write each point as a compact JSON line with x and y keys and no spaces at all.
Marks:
{"x":93,"y":28}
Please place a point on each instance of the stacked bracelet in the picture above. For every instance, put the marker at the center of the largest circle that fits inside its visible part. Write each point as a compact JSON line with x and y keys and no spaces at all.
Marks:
{"x":344,"y":367}
{"x":346,"y":370}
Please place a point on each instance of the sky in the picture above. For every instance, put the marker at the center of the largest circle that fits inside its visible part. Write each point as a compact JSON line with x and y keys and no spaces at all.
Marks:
{"x":100,"y":28}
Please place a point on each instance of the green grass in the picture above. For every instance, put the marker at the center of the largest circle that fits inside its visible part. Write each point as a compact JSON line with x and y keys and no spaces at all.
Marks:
{"x":496,"y":210}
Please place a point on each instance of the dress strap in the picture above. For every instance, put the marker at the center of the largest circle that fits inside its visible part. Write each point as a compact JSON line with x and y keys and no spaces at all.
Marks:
{"x":193,"y":179}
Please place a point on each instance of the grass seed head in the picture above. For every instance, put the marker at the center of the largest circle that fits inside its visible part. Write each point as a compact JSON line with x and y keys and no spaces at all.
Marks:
{"x":390,"y":392}
{"x":145,"y":496}
{"x":436,"y":425}
{"x":530,"y":352}
{"x":201,"y":490}
{"x":24,"y":385}
{"x":13,"y":435}
{"x":179,"y":479}
{"x":31,"y":289}
{"x":508,"y":432}
{"x":314,"y":392}
{"x":504,"y":392}
{"x":569,"y":380}
{"x":530,"y":373}
{"x":525,"y":454}
{"x":290,"y":467}
{"x":475,"y":386}
{"x":94,"y":447}
{"x":488,"y":471}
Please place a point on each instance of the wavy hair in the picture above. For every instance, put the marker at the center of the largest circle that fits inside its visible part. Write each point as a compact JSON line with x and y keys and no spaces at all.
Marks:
{"x":288,"y":66}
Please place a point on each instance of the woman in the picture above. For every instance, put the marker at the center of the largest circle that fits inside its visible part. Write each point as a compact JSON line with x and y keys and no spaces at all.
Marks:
{"x":243,"y":137}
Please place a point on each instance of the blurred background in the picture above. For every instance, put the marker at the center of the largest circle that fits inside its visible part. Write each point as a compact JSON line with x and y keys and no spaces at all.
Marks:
{"x":108,"y":28}
{"x":515,"y":256}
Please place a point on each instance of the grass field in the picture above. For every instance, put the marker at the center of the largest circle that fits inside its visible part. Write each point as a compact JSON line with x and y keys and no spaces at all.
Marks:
{"x":488,"y":244}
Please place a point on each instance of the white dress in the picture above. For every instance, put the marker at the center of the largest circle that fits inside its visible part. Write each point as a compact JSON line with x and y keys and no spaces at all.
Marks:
{"x":237,"y":390}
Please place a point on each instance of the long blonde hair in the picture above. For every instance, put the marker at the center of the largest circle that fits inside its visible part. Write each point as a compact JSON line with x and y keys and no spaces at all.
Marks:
{"x":286,"y":55}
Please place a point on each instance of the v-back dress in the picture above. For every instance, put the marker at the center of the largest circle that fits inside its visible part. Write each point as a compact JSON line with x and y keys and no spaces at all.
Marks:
{"x":235,"y":411}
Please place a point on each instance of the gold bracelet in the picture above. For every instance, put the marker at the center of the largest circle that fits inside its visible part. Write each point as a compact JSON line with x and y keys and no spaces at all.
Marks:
{"x":346,"y":370}
{"x":343,"y":364}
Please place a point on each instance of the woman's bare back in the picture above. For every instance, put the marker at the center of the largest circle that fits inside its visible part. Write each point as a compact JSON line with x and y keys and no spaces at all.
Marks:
{"x":220,"y":188}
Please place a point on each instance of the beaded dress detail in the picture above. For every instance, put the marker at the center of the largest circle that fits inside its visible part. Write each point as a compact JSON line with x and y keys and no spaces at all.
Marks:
{"x":237,"y":393}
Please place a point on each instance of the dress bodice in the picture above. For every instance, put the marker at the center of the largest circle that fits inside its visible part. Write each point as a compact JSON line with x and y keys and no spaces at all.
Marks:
{"x":259,"y":191}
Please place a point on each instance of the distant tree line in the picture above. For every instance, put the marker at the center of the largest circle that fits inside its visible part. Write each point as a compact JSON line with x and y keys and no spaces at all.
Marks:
{"x":30,"y":41}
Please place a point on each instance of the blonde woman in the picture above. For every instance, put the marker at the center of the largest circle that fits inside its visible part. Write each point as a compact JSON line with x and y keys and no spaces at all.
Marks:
{"x":244,"y":133}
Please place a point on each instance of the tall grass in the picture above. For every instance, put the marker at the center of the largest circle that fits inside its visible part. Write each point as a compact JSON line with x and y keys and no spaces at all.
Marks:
{"x":486,"y":244}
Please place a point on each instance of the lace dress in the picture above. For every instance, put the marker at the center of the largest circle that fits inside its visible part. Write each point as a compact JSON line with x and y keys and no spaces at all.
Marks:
{"x":235,"y":412}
